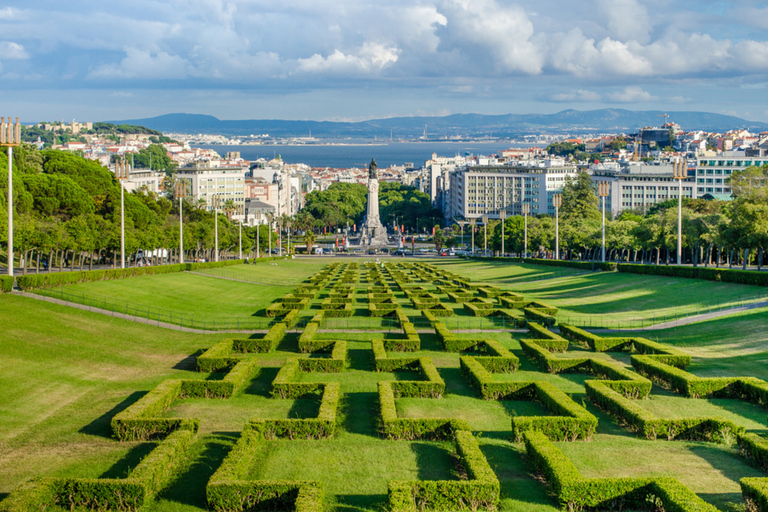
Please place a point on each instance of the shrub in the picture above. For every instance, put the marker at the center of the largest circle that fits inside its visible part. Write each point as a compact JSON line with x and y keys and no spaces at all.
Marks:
{"x":268,"y":343}
{"x":321,"y":427}
{"x":577,"y":493}
{"x":411,"y":429}
{"x":709,"y":274}
{"x":481,"y":490}
{"x":755,"y":493}
{"x":6,"y":284}
{"x":536,"y":315}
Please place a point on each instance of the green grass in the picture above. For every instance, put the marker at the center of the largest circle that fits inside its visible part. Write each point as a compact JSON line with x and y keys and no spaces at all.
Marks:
{"x":621,"y":300}
{"x":67,"y":372}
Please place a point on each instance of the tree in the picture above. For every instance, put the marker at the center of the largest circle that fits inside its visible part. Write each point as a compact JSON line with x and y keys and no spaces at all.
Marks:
{"x":439,"y":237}
{"x":309,"y":239}
{"x":579,"y":199}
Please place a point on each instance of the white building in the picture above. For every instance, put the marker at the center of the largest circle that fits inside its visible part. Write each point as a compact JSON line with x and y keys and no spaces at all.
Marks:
{"x":714,"y":168}
{"x":638,"y":185}
{"x":207,"y":182}
{"x":478,"y":190}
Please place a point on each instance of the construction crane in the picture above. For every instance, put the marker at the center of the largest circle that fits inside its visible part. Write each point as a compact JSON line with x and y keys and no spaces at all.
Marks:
{"x":665,"y":116}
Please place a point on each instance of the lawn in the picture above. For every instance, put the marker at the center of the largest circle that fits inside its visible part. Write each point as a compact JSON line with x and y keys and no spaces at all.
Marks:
{"x":67,"y":372}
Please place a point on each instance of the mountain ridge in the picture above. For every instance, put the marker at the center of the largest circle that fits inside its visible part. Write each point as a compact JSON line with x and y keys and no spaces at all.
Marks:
{"x":467,"y":125}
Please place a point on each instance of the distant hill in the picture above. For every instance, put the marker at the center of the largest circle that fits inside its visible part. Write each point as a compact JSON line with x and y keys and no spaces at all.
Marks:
{"x":464,"y":125}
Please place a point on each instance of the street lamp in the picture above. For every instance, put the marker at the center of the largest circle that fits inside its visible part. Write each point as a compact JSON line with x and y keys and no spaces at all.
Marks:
{"x":557,"y":201}
{"x":181,"y":191}
{"x":526,"y":211}
{"x":503,"y":216}
{"x":485,"y":234}
{"x":288,"y":228}
{"x":121,"y":172}
{"x":258,"y":233}
{"x":216,"y":202}
{"x":241,"y":212}
{"x":679,"y":174}
{"x":10,"y":136}
{"x":472,"y":223}
{"x":602,"y":191}
{"x":461,"y":224}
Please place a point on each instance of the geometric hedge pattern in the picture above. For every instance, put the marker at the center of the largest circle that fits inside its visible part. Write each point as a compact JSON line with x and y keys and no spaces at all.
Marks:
{"x":382,"y":290}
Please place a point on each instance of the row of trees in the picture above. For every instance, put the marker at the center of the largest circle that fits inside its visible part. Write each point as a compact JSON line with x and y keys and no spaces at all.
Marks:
{"x":67,"y":212}
{"x":713,"y":232}
{"x":343,"y":203}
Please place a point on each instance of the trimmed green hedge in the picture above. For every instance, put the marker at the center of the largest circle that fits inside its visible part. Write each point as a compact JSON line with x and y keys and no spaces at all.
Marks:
{"x":481,"y":490}
{"x":569,"y":421}
{"x":6,"y":284}
{"x":710,"y":274}
{"x":321,"y":427}
{"x":754,"y":448}
{"x":49,"y":279}
{"x":268,"y":343}
{"x":539,"y":316}
{"x":152,"y":474}
{"x":755,"y":493}
{"x":575,"y":492}
{"x":708,"y":429}
{"x":584,"y":265}
{"x":229,"y":489}
{"x":412,"y":429}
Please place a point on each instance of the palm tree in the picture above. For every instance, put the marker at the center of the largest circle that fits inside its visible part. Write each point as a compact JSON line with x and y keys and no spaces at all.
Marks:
{"x":229,"y":208}
{"x":309,"y":238}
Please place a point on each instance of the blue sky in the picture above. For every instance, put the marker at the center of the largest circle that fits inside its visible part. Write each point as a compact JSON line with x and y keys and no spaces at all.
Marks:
{"x":358,"y":59}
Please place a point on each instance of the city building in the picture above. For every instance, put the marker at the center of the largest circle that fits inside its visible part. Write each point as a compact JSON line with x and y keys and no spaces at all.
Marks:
{"x":207,"y":182}
{"x":638,"y":186}
{"x":714,"y":168}
{"x":478,"y":190}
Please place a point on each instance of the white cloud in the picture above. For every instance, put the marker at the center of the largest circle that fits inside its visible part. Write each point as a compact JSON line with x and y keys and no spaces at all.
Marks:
{"x":144,"y":65}
{"x":580,"y":95}
{"x":632,"y":94}
{"x":626,"y":19}
{"x":370,"y":58}
{"x":484,"y":26}
{"x":12,"y":51}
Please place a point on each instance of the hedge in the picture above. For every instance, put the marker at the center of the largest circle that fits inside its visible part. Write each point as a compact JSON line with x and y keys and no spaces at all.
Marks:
{"x":541,"y":332}
{"x":229,"y":489}
{"x":577,"y":493}
{"x":412,"y":429}
{"x":754,"y":448}
{"x":490,"y":353}
{"x":537,"y":316}
{"x":710,"y":274}
{"x":480,"y":490}
{"x":6,"y":284}
{"x":755,"y":494}
{"x":153,"y":473}
{"x":710,"y":429}
{"x":660,"y":370}
{"x":383,"y":308}
{"x":268,"y":343}
{"x":433,"y":386}
{"x":385,"y":364}
{"x":321,"y":427}
{"x":143,"y":420}
{"x":333,"y":364}
{"x":438,"y":310}
{"x":569,"y":422}
{"x":338,"y":310}
{"x":49,"y":279}
{"x":585,"y":265}
{"x":460,"y":297}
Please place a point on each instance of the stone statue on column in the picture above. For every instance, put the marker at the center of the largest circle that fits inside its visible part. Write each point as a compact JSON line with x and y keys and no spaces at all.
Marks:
{"x":373,"y":233}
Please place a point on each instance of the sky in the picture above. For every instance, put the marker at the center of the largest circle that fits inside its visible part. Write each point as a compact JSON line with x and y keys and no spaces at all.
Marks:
{"x":351,"y":60}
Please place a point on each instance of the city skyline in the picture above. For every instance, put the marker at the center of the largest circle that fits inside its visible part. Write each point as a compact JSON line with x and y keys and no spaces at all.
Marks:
{"x":353,"y":61}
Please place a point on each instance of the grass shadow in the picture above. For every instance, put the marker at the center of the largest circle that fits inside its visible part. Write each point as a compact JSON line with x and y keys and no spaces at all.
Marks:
{"x":262,"y":384}
{"x":123,"y":467}
{"x":289,"y":343}
{"x":515,"y":477}
{"x":204,"y":459}
{"x":434,"y":462}
{"x":189,"y":363}
{"x":360,"y":502}
{"x":360,"y":414}
{"x":360,"y":359}
{"x":101,"y":426}
{"x":456,"y":384}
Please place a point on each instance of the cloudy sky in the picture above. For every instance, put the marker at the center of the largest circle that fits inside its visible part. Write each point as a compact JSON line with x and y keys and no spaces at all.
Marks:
{"x":359,"y":59}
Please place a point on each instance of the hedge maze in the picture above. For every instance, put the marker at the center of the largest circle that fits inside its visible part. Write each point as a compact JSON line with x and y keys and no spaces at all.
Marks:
{"x":357,"y":388}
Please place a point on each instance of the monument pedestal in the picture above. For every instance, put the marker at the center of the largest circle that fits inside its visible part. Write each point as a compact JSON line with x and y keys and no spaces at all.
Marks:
{"x":373,"y":233}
